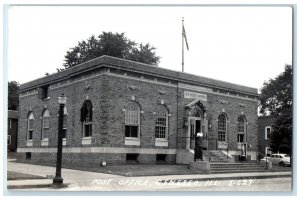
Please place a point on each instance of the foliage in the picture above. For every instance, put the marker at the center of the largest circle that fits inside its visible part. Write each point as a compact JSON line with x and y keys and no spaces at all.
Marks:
{"x":112,"y":44}
{"x":13,"y":95}
{"x":276,"y":101}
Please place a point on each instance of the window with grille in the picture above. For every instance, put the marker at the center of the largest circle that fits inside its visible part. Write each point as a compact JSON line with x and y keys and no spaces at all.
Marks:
{"x":86,"y":118}
{"x":30,"y":126}
{"x":241,"y":129}
{"x":132,"y":119}
{"x":222,"y":128}
{"x":161,"y":122}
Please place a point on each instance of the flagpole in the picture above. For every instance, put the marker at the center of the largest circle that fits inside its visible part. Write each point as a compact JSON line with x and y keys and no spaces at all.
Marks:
{"x":182,"y":45}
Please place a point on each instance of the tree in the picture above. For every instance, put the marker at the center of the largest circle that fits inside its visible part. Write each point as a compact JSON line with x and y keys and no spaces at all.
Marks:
{"x":112,"y":44}
{"x":13,"y":95}
{"x":276,"y":101}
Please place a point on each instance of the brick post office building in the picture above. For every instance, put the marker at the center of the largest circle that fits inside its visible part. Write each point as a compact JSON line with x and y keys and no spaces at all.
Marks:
{"x":120,"y":111}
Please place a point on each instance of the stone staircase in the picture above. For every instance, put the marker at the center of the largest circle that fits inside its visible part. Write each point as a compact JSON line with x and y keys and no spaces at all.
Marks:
{"x":185,"y":156}
{"x":220,"y":162}
{"x":236,"y":167}
{"x":216,"y":156}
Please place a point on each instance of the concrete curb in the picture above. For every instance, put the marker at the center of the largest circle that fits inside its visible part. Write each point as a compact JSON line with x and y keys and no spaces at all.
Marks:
{"x":35,"y":184}
{"x":10,"y":187}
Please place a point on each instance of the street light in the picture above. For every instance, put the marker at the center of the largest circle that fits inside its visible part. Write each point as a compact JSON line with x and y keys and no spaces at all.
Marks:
{"x":62,"y":100}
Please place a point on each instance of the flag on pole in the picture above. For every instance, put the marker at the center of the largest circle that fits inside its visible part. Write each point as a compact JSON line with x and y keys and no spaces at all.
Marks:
{"x":184,"y":36}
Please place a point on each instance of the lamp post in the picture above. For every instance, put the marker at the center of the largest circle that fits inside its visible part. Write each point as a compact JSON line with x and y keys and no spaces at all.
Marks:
{"x":62,"y":100}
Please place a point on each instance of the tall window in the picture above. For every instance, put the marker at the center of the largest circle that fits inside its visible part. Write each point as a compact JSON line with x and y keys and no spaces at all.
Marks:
{"x":241,"y":127}
{"x":30,"y":121}
{"x":222,"y":127}
{"x":65,"y":124}
{"x":86,"y":118}
{"x":45,"y":121}
{"x":267,"y":132}
{"x":8,"y":139}
{"x":161,"y":122}
{"x":9,"y":123}
{"x":132,"y":119}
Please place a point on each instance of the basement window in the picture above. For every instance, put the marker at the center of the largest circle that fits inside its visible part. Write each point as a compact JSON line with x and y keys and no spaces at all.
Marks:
{"x":132,"y":157}
{"x":28,"y":155}
{"x":161,"y":158}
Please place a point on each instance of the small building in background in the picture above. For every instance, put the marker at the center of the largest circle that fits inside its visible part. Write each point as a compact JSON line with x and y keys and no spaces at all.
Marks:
{"x":12,"y":132}
{"x":265,"y":124}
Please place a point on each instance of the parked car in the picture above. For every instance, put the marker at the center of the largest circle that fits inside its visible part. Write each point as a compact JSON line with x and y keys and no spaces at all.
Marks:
{"x":264,"y":159}
{"x":280,"y":159}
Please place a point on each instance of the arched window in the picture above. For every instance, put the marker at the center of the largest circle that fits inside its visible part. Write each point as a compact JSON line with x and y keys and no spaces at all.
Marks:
{"x":30,"y":121}
{"x":161,"y":122}
{"x":241,"y":127}
{"x":132,"y":119}
{"x":45,"y":122}
{"x":222,"y":127}
{"x":86,"y":118}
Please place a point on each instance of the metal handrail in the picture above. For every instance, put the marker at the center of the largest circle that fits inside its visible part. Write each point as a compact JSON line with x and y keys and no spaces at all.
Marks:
{"x":227,"y":146}
{"x":266,"y":159}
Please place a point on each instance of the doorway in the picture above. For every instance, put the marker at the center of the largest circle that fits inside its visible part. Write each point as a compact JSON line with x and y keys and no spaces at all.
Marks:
{"x":194,"y":128}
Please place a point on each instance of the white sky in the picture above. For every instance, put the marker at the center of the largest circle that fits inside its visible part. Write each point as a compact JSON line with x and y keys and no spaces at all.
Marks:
{"x":243,"y":45}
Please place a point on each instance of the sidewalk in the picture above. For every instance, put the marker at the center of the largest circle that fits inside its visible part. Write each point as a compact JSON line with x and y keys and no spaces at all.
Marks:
{"x":78,"y":178}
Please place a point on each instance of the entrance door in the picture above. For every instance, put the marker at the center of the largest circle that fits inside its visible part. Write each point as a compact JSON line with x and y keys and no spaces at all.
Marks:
{"x":194,"y":128}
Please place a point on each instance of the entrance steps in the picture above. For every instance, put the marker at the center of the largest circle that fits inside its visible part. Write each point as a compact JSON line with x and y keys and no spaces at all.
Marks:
{"x":239,"y":167}
{"x":216,"y":156}
{"x":219,"y":162}
{"x":185,"y":156}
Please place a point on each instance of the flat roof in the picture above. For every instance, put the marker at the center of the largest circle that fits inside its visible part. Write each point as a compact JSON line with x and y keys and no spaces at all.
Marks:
{"x":109,"y":61}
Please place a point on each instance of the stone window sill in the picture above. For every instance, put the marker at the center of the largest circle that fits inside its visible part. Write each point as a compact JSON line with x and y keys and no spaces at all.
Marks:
{"x":222,"y":145}
{"x":161,"y":142}
{"x":86,"y":140}
{"x":29,"y":143}
{"x":45,"y":142}
{"x":132,"y":141}
{"x":239,"y":145}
